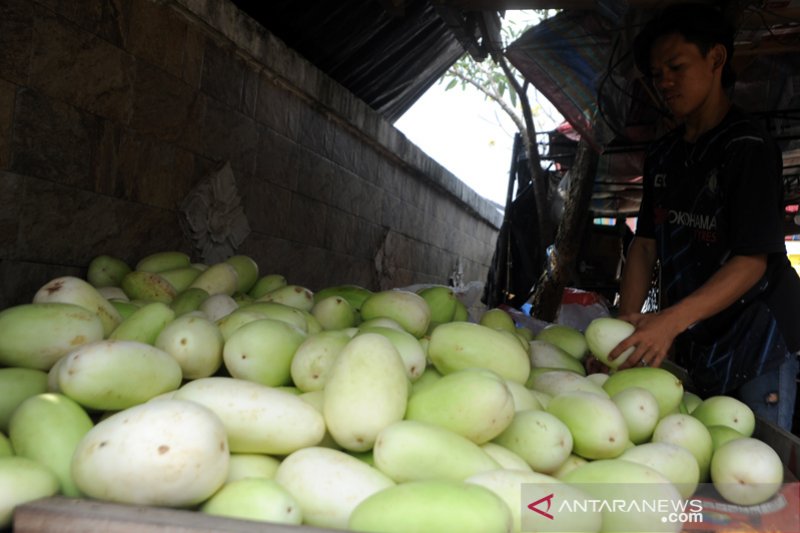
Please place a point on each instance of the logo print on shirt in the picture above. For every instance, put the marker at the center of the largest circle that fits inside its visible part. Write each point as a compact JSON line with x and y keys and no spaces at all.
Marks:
{"x":660,"y":180}
{"x":693,"y":220}
{"x":711,"y":182}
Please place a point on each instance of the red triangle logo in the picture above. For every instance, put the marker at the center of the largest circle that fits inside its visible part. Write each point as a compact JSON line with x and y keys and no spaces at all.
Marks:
{"x":533,"y":506}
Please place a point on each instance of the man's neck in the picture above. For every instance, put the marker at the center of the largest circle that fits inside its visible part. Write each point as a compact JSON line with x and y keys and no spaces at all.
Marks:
{"x":707,"y":117}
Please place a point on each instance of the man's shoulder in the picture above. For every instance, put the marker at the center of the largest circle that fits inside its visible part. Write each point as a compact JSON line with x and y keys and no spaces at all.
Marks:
{"x":745,"y":138}
{"x":740,"y":127}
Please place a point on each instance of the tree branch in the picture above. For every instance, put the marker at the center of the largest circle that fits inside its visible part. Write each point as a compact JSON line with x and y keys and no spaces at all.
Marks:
{"x":518,"y":122}
{"x":540,"y":182}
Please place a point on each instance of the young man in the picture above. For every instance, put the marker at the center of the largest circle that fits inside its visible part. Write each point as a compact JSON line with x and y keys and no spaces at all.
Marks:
{"x":712,"y":215}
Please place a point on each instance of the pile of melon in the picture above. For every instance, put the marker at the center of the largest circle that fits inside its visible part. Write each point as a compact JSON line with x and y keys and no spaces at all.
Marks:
{"x":217,"y":389}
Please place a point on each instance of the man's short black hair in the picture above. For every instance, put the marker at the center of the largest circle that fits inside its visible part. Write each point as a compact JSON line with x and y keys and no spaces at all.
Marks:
{"x":700,"y":24}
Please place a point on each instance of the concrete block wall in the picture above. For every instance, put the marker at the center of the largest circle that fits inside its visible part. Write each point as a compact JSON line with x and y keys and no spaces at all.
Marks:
{"x":112,"y":111}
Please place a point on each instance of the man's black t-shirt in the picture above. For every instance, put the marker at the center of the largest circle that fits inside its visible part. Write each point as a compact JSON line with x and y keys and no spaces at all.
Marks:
{"x":704,"y":202}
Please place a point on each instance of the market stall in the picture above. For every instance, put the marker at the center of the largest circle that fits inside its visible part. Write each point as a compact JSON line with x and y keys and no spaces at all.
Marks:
{"x":234,"y":298}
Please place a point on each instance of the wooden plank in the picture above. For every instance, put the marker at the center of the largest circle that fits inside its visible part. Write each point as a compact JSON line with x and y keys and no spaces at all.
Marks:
{"x":785,"y":444}
{"x":72,"y":515}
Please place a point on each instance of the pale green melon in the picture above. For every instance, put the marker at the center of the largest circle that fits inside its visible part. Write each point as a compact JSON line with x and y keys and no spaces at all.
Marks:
{"x":47,"y":428}
{"x":524,"y":398}
{"x":5,"y":446}
{"x":458,"y":345}
{"x":565,"y":337}
{"x":545,"y":354}
{"x":474,"y":402}
{"x":292,"y":295}
{"x":664,"y":385}
{"x":572,"y":462}
{"x":180,"y":278}
{"x":598,"y":378}
{"x":249,"y":465}
{"x":73,"y":290}
{"x":365,"y":391}
{"x":441,"y":506}
{"x":617,"y":480}
{"x":266,"y":284}
{"x":164,"y":260}
{"x":509,"y":485}
{"x":246,"y":271}
{"x":23,"y":480}
{"x":498,"y":319}
{"x":407,"y":308}
{"x":262,"y":351}
{"x":674,"y":462}
{"x":255,"y":499}
{"x":354,"y":294}
{"x":329,"y":484}
{"x":540,"y":438}
{"x":691,"y":401}
{"x":746,"y":471}
{"x":277,"y":311}
{"x":555,"y":382}
{"x":604,"y":334}
{"x":722,"y":434}
{"x":220,"y":278}
{"x":409,"y":347}
{"x":37,"y":335}
{"x":640,"y":409}
{"x":218,"y":306}
{"x":230,"y":323}
{"x":314,"y":357}
{"x":410,"y":450}
{"x":429,"y":376}
{"x":17,"y":385}
{"x":145,"y":324}
{"x":597,"y":426}
{"x":112,"y":375}
{"x":726,"y":411}
{"x":106,"y":271}
{"x":257,"y":418}
{"x":195,"y":343}
{"x":690,"y":433}
{"x":334,"y":313}
{"x":170,"y":453}
{"x":442,"y":302}
{"x":505,"y":457}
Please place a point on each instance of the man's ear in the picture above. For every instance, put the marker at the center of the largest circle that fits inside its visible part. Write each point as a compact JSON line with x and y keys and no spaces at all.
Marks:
{"x":719,"y":54}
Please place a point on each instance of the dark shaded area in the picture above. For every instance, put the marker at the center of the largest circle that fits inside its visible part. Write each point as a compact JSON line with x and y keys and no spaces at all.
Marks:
{"x":386,"y":58}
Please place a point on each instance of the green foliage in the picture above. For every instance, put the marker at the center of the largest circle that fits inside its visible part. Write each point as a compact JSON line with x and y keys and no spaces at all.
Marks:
{"x":488,"y":77}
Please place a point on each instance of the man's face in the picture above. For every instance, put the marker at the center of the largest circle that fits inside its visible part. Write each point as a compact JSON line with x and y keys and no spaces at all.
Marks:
{"x":682,"y":75}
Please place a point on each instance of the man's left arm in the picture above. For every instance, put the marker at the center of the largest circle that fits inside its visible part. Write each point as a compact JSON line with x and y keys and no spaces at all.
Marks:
{"x":655,"y":332}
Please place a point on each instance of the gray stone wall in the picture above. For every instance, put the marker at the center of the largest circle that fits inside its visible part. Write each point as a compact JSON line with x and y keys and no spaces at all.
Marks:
{"x":112,"y":111}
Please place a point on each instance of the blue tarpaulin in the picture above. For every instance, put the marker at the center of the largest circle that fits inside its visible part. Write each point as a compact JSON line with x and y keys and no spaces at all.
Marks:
{"x":582,"y":63}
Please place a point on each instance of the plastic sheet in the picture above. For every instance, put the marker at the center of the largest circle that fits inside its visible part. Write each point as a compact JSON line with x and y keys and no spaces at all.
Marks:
{"x":213,"y":218}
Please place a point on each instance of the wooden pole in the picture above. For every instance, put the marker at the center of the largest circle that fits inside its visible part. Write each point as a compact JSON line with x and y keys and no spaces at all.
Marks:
{"x":549,"y":289}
